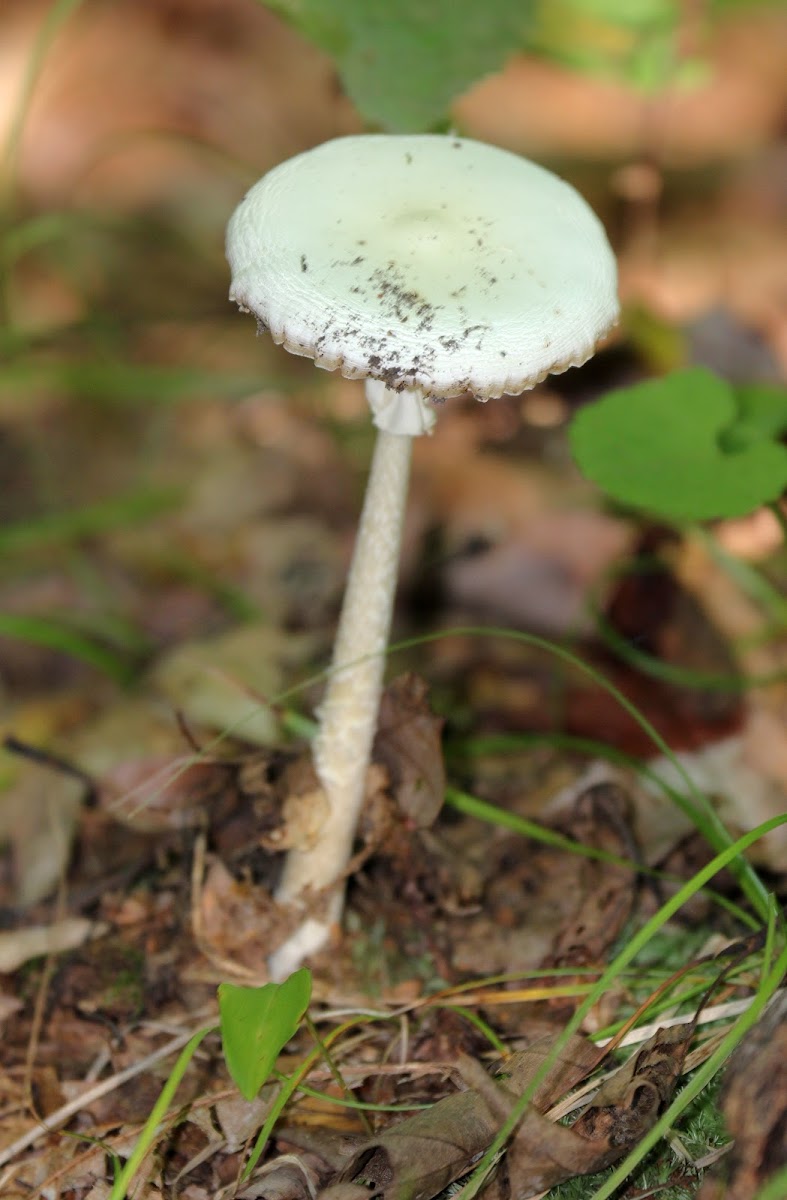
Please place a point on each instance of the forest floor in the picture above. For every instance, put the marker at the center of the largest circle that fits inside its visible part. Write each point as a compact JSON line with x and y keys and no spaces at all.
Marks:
{"x":178,"y":508}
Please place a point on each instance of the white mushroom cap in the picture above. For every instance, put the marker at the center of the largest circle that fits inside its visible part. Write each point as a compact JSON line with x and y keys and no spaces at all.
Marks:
{"x":424,"y":261}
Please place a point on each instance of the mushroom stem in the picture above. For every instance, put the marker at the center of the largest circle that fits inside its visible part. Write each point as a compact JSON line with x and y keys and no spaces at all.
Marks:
{"x":348,"y":715}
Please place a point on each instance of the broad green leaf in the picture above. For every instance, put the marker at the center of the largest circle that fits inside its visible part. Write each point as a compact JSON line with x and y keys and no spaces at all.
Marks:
{"x":403,"y":62}
{"x":658,"y":446}
{"x":256,"y":1023}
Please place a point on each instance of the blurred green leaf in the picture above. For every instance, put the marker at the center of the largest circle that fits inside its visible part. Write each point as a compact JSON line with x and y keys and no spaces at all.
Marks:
{"x":125,"y":381}
{"x":403,"y":62}
{"x":33,"y":233}
{"x":658,"y":446}
{"x":55,"y":634}
{"x":256,"y":1024}
{"x":638,"y":43}
{"x":69,"y":525}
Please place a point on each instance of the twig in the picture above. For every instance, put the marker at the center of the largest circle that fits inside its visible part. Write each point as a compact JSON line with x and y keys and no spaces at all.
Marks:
{"x":719,"y":1012}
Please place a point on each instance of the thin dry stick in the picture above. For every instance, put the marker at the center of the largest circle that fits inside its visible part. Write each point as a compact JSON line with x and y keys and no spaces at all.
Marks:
{"x":41,"y":994}
{"x":716,"y":1012}
{"x":42,"y":991}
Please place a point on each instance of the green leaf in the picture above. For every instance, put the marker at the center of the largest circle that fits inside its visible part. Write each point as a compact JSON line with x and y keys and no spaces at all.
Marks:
{"x":635,"y":42}
{"x":762,"y":413}
{"x":256,"y":1023}
{"x":403,"y":62}
{"x":658,"y":446}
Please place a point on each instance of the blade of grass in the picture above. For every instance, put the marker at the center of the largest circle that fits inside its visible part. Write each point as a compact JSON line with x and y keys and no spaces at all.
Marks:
{"x":53,"y":635}
{"x":291,"y":1084}
{"x":55,"y":18}
{"x":753,"y":582}
{"x":481,"y":1025}
{"x":359,"y":1106}
{"x":128,"y":382}
{"x":775,"y":1188}
{"x":702,"y":1077}
{"x":491,"y":743}
{"x":61,"y":528}
{"x":482,"y":810}
{"x":620,"y":962}
{"x":34,"y":232}
{"x":656,"y":668}
{"x":347,"y":1094}
{"x":699,"y":810}
{"x":233,"y":599}
{"x":157,"y":1114}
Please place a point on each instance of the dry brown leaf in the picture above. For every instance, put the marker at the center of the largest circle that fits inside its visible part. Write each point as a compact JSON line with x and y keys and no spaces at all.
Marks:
{"x":417,"y":1158}
{"x":605,"y":893}
{"x":302,"y":808}
{"x":240,"y":1119}
{"x":543,"y":1155}
{"x":289,"y":1177}
{"x":629,"y":1103}
{"x":239,"y":923}
{"x":159,"y":793}
{"x":222,"y":682}
{"x":38,"y":820}
{"x":18,"y":946}
{"x":408,"y":745}
{"x":754,"y":1103}
{"x":420,"y":1156}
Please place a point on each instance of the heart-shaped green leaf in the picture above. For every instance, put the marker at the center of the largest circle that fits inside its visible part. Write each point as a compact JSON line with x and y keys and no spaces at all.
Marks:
{"x":658,"y":446}
{"x":404,"y":61}
{"x":256,"y":1023}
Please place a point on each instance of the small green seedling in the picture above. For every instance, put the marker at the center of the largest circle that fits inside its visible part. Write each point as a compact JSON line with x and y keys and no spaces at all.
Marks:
{"x":256,"y":1023}
{"x":688,"y":447}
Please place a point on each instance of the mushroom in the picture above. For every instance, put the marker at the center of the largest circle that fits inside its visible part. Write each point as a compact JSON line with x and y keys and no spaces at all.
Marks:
{"x":428,"y":266}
